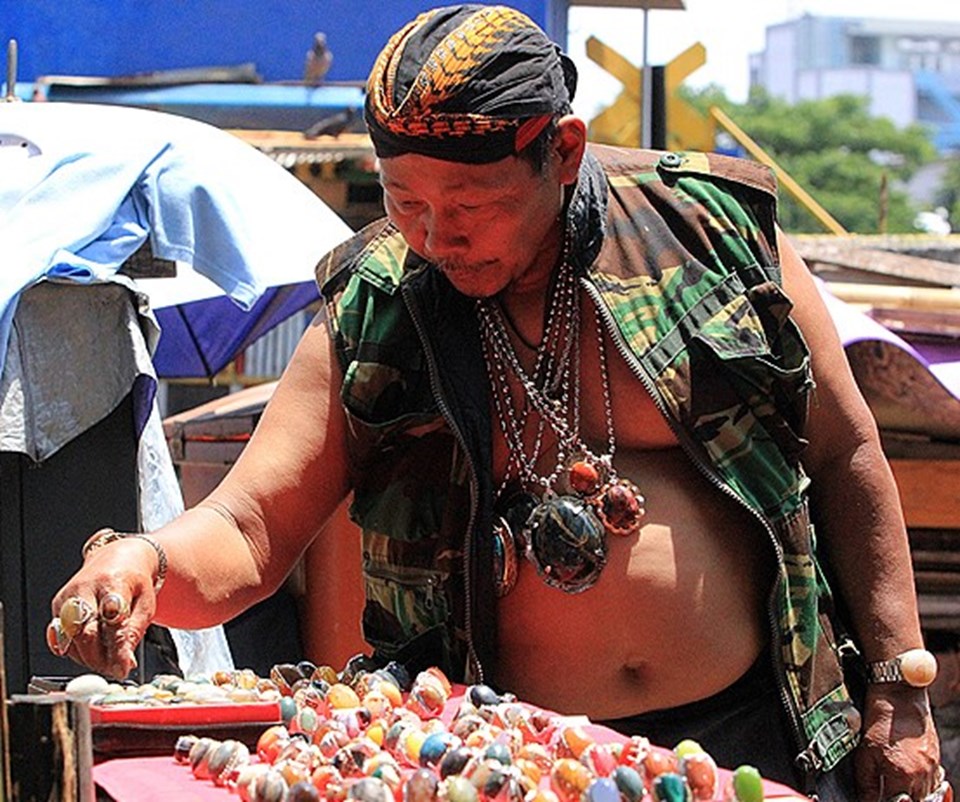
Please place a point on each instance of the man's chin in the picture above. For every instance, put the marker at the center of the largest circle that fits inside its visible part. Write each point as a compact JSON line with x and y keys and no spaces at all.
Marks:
{"x":471,"y":283}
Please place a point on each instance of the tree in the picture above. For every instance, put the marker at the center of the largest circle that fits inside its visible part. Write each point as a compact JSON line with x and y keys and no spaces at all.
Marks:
{"x":949,"y":195}
{"x":846,"y":159}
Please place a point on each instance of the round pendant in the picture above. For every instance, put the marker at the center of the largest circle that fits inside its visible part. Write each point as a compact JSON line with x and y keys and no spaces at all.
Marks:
{"x":620,"y":508}
{"x":505,"y":565}
{"x":514,"y":510}
{"x":584,"y":477}
{"x":566,"y":543}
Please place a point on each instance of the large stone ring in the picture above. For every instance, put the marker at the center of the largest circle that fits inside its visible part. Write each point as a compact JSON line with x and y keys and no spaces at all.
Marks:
{"x":58,"y":642}
{"x":943,"y":791}
{"x":114,"y":609}
{"x":74,"y":613}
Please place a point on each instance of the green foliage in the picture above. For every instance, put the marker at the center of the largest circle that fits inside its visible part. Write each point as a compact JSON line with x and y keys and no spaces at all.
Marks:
{"x":949,"y":194}
{"x":837,"y":152}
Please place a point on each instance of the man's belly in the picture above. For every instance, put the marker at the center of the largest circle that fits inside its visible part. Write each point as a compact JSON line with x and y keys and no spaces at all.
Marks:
{"x":677,"y":615}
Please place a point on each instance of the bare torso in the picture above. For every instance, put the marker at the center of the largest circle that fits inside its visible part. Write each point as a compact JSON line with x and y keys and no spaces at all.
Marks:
{"x":677,"y":614}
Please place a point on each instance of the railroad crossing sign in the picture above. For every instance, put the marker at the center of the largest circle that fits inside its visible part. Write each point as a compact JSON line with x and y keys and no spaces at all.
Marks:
{"x":621,"y":123}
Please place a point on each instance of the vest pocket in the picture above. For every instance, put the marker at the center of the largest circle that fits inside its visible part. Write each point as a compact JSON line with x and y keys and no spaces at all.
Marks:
{"x":402,"y":603}
{"x":762,"y":353}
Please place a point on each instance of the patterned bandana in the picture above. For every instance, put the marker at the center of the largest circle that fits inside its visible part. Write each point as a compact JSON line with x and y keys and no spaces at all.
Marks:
{"x":470,"y":83}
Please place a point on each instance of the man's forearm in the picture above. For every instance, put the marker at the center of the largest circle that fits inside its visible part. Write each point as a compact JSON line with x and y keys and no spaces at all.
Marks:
{"x":213,"y":573}
{"x":861,"y":528}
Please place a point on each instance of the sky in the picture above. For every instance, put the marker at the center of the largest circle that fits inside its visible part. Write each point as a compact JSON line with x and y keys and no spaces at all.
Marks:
{"x":729,"y":30}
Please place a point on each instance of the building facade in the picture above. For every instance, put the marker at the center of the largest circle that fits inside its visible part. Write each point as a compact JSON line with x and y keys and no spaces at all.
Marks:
{"x":909,"y":70}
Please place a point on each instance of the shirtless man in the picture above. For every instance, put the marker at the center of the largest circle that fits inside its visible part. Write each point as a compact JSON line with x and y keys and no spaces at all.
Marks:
{"x":587,"y":363}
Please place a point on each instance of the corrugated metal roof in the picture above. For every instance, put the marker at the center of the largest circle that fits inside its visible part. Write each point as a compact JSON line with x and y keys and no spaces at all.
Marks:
{"x":290,"y":148}
{"x":652,"y":5}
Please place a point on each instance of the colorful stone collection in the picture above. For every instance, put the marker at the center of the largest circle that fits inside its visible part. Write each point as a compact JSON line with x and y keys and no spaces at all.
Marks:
{"x":374,"y":735}
{"x":224,"y":687}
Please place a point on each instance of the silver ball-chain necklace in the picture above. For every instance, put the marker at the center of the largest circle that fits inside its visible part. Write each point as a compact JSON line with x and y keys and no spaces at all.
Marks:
{"x":559,"y":521}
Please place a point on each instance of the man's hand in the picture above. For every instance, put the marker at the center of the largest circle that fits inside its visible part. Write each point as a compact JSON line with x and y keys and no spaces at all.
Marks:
{"x":900,"y":751}
{"x":115,"y":592}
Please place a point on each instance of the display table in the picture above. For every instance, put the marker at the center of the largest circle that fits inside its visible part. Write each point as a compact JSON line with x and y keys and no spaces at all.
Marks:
{"x":161,"y":778}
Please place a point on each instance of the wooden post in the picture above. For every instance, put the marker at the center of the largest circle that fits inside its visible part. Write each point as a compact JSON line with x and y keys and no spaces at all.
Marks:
{"x":51,"y":751}
{"x":4,"y":729}
{"x":884,"y":204}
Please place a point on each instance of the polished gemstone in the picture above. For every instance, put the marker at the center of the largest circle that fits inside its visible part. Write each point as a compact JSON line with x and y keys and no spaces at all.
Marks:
{"x":584,"y":477}
{"x":671,"y":787}
{"x":566,"y":543}
{"x":621,"y":508}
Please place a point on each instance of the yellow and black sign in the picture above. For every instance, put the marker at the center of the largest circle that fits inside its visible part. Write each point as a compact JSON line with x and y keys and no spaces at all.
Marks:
{"x":675,"y":124}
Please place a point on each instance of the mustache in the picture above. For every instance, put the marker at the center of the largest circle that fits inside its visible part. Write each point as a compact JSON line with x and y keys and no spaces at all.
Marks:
{"x":462,"y":266}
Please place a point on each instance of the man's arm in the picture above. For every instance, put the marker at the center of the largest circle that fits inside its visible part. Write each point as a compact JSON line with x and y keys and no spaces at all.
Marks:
{"x":861,"y":528}
{"x":238,"y":545}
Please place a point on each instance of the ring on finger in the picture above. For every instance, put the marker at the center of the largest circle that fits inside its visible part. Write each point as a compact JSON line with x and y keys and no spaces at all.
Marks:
{"x":74,"y":613}
{"x":942,"y":790}
{"x":114,"y":609}
{"x":58,"y":642}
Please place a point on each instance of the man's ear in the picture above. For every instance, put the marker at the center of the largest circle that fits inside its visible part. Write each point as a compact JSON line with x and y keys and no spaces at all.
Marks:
{"x":569,"y":145}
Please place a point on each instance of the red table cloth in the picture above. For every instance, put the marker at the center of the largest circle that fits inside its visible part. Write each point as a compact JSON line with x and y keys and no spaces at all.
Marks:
{"x":160,"y":779}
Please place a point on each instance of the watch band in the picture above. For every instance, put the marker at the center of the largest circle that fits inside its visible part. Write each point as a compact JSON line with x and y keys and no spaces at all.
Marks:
{"x":915,"y":667}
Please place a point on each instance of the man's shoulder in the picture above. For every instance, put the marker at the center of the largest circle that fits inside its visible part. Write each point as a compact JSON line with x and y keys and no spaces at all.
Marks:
{"x":378,"y":250}
{"x":625,"y":164}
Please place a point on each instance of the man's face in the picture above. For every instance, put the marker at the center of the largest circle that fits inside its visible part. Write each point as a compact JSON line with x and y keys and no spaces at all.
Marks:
{"x":486,"y":226}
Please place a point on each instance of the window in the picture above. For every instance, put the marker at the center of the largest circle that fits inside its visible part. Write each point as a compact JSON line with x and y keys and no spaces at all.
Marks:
{"x":864,"y":50}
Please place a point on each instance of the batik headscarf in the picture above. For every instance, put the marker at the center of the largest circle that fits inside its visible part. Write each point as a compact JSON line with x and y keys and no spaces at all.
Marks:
{"x":467,"y":83}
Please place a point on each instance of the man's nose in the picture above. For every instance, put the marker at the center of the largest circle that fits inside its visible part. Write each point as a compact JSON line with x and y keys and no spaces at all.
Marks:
{"x":445,"y":235}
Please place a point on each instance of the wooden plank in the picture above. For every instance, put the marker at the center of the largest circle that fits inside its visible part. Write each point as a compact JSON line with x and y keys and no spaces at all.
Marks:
{"x":929,"y":492}
{"x":855,"y":256}
{"x":51,"y":750}
{"x":942,"y":582}
{"x":924,"y":559}
{"x":934,"y":322}
{"x":907,"y":445}
{"x":936,"y":301}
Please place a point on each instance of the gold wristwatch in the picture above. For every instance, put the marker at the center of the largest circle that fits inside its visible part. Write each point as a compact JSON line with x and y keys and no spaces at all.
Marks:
{"x":916,"y":667}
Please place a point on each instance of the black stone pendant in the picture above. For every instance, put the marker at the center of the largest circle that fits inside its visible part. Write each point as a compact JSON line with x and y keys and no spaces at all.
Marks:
{"x":566,"y":543}
{"x":512,"y":513}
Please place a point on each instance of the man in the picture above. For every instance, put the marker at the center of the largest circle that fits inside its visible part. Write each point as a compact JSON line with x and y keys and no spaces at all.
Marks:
{"x":581,"y":430}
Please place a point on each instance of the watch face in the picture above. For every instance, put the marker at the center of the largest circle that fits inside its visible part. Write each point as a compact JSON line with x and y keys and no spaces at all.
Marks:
{"x":918,"y":667}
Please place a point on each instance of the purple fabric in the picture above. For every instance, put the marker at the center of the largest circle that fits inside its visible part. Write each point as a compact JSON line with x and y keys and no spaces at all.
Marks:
{"x":941,"y":360}
{"x":200,"y":338}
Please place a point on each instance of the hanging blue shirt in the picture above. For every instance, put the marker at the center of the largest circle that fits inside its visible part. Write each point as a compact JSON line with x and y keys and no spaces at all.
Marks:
{"x":84,"y":185}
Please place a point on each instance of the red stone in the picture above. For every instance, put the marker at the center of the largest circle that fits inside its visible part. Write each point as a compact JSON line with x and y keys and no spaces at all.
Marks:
{"x":584,"y":477}
{"x":621,"y":508}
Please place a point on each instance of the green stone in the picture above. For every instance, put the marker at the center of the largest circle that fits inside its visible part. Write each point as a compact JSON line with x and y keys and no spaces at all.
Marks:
{"x":747,"y":784}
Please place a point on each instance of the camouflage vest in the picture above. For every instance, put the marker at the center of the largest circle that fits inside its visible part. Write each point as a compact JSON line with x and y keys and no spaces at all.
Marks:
{"x":679,"y":252}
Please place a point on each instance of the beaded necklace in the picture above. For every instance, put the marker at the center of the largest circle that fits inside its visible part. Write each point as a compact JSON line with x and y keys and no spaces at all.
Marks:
{"x":559,"y":521}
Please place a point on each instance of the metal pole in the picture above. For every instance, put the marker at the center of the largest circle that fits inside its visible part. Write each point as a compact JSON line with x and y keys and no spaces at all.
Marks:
{"x":11,"y":71}
{"x":646,"y":100}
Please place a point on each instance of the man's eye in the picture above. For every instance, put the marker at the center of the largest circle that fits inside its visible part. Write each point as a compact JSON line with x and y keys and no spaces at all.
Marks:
{"x":406,"y":205}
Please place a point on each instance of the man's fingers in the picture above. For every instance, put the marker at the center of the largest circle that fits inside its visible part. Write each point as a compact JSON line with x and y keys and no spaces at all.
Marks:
{"x":122,"y":625}
{"x":102,"y":633}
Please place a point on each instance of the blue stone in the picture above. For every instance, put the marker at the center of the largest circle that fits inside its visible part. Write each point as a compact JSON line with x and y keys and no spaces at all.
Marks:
{"x":671,"y":787}
{"x":602,"y":789}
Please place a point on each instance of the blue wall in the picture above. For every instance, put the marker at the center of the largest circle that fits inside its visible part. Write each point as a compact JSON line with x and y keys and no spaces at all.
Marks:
{"x":120,"y":37}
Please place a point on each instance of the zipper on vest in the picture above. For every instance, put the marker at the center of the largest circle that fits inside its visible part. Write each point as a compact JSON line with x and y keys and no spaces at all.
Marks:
{"x":714,"y":479}
{"x":444,"y":408}
{"x":409,"y":577}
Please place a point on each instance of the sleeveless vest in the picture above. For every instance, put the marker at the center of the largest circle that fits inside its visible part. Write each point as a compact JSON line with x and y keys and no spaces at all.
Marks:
{"x":679,"y":253}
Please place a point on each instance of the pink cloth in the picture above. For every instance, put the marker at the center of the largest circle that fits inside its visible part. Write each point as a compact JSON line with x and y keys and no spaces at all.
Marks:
{"x":161,"y":779}
{"x":155,"y":779}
